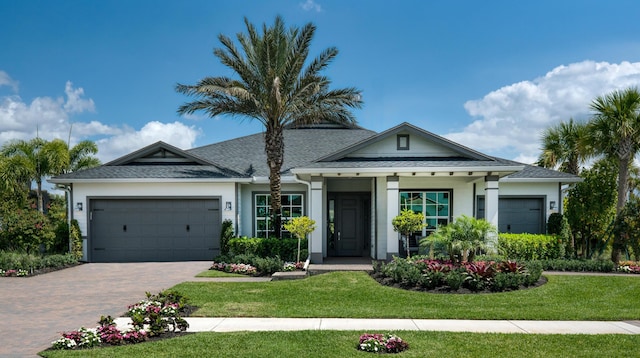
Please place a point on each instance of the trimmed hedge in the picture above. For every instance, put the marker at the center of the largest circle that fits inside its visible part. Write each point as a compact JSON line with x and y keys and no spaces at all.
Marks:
{"x":578,"y":265}
{"x":10,"y":260}
{"x":286,"y":249}
{"x":528,"y":247}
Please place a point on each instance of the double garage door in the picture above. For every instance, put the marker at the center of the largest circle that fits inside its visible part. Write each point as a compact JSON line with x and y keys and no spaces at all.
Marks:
{"x":518,"y":215}
{"x":138,"y":230}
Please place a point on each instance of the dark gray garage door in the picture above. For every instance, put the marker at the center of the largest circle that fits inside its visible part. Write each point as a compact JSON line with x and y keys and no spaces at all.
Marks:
{"x":135,"y":230}
{"x":518,"y":215}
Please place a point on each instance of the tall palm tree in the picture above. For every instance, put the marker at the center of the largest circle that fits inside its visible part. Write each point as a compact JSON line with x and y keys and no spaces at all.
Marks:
{"x":81,"y":156}
{"x":273,"y":86}
{"x":562,"y":146}
{"x":31,"y":161}
{"x":615,"y":132}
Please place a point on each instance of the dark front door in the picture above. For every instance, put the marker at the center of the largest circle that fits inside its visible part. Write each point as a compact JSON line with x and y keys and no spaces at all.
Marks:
{"x":348,"y":223}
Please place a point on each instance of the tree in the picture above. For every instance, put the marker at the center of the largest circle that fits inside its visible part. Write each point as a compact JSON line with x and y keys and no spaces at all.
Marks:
{"x":407,"y":223}
{"x":300,"y":227}
{"x":81,"y":156}
{"x":590,"y":207}
{"x":614,"y":132}
{"x":31,"y":161}
{"x":562,"y":146}
{"x":273,"y":86}
{"x":462,"y":238}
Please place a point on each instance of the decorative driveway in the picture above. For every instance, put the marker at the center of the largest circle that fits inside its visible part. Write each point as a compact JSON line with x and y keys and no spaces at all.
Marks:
{"x":35,"y":310}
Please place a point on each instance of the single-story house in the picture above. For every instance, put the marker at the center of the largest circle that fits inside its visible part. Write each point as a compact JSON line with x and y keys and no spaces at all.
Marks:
{"x":162,"y":203}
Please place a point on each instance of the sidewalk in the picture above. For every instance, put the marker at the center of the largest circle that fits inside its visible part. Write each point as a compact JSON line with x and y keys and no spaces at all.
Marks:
{"x":232,"y":324}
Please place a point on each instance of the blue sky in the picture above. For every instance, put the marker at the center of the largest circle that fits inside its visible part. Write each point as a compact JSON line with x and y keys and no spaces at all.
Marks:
{"x":488,"y":74}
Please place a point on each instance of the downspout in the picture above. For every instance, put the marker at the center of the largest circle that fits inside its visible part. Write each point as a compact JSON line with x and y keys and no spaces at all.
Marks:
{"x":308,"y":184}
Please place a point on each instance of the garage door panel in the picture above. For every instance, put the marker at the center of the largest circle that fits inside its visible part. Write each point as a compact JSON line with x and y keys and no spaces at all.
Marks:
{"x":518,"y":215}
{"x":156,"y":230}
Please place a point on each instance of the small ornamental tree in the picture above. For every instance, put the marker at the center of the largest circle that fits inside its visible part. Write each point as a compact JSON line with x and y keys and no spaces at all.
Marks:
{"x":407,"y":223}
{"x":300,"y":227}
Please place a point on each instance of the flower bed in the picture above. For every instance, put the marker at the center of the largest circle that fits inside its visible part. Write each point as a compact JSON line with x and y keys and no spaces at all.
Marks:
{"x":382,"y":343}
{"x":629,"y":267}
{"x":445,"y":276}
{"x":154,"y":317}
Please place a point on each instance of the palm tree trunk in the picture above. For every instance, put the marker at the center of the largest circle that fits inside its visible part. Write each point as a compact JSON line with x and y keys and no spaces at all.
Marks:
{"x":39,"y":194}
{"x":274,"y":148}
{"x":623,"y":188}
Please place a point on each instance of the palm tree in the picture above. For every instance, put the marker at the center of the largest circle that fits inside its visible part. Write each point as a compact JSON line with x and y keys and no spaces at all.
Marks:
{"x":81,"y":156}
{"x":273,"y":86}
{"x":31,"y":161}
{"x":562,"y":146}
{"x":615,"y":133}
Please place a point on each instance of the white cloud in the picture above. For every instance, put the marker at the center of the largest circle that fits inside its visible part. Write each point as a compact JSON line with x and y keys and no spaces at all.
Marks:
{"x":311,"y":5}
{"x":76,"y":104}
{"x":510,"y":120}
{"x":129,"y":140}
{"x":5,"y":80}
{"x":52,"y":118}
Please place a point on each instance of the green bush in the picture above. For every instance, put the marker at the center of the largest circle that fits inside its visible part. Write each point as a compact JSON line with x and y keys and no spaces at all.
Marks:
{"x":576,"y":265}
{"x":526,"y":247}
{"x":268,"y":265}
{"x":559,"y":225}
{"x":226,"y":234}
{"x":286,"y":249}
{"x":75,"y":235}
{"x":11,"y":260}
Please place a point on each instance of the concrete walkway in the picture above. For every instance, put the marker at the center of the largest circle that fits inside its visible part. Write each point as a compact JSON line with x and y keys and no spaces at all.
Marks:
{"x":232,"y":324}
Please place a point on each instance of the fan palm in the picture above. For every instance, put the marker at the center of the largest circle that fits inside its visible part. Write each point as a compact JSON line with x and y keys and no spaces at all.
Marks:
{"x":615,"y":133}
{"x":562,"y":146}
{"x":273,"y":86}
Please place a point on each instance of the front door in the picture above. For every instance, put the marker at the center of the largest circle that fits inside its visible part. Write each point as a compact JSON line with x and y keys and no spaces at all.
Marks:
{"x":348,"y":224}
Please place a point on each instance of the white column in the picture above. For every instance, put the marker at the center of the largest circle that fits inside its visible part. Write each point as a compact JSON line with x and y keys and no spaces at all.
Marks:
{"x":393,"y":209}
{"x":491,"y":196}
{"x":316,"y":214}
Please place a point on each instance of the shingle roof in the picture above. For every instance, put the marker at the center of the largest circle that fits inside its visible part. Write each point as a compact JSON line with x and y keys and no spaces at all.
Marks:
{"x":302,"y":147}
{"x":147,"y":172}
{"x":309,"y":148}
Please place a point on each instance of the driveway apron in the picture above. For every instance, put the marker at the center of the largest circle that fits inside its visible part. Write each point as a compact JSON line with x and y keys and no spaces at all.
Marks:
{"x":35,"y":310}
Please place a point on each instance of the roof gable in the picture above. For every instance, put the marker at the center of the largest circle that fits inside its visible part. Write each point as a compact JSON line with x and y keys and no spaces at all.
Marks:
{"x":409,"y":143}
{"x":159,"y":153}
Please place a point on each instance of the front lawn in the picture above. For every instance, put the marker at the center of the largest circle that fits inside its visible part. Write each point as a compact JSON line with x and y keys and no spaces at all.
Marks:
{"x":357,"y":295}
{"x":343,"y":344}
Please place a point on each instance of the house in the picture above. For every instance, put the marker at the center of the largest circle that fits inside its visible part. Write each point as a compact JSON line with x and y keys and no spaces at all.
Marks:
{"x":162,"y":203}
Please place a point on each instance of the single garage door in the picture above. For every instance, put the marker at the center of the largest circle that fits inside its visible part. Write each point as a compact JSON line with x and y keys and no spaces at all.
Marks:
{"x":518,"y":215}
{"x":138,"y":230}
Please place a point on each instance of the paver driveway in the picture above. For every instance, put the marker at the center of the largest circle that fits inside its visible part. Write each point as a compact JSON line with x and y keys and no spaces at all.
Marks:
{"x":34,"y":310}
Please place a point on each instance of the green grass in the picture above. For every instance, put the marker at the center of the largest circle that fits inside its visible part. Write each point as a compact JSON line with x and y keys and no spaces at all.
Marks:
{"x":343,"y":344}
{"x":356,"y":295}
{"x":216,"y":273}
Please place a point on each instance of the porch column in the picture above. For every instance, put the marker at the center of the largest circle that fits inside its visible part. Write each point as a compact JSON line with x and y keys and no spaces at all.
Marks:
{"x":316,"y":214}
{"x":491,"y":196}
{"x":393,"y":209}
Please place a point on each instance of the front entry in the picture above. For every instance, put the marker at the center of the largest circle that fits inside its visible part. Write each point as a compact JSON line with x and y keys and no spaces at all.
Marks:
{"x":349,"y":224}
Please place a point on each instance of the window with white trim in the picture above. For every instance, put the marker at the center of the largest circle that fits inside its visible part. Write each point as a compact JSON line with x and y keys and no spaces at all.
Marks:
{"x":434,"y":204}
{"x":292,"y":207}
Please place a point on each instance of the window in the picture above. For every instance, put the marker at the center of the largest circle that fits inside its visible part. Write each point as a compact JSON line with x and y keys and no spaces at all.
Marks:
{"x":435,"y":205}
{"x":403,"y":141}
{"x":292,"y":205}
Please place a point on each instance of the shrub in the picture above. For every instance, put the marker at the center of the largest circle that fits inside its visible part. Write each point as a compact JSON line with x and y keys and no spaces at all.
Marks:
{"x":286,"y":249}
{"x":75,"y":235}
{"x":445,"y":275}
{"x":30,"y":263}
{"x":576,"y":265}
{"x":463,"y":238}
{"x":226,"y":234}
{"x":381,"y":343}
{"x":523,"y":247}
